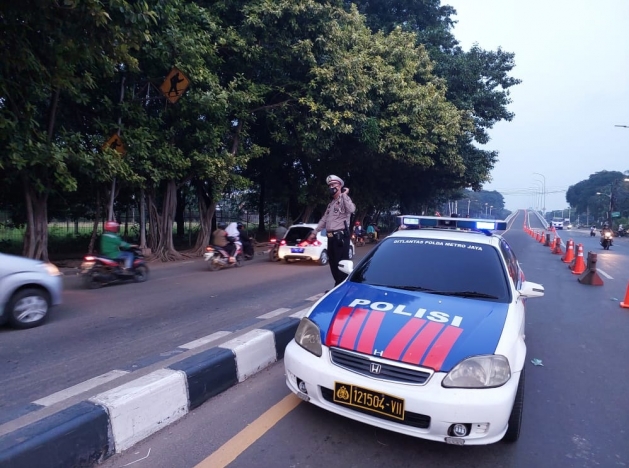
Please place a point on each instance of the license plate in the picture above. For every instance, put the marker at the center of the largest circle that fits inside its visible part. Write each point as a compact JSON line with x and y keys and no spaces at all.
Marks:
{"x":364,"y":398}
{"x":297,"y":250}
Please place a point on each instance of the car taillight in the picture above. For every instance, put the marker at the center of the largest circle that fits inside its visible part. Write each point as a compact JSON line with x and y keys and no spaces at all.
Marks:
{"x":273,"y":241}
{"x":316,"y":243}
{"x":303,"y":244}
{"x":209,"y":249}
{"x":282,"y":242}
{"x":89,"y":258}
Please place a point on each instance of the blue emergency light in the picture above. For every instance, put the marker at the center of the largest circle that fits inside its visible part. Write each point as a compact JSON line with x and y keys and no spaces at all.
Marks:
{"x":473,"y":224}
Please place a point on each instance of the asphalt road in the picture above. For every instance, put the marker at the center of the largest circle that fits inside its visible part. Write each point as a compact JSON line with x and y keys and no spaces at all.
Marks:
{"x":129,"y":326}
{"x":575,"y":412}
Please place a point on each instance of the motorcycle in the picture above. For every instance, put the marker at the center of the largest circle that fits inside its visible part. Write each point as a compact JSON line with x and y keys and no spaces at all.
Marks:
{"x":274,"y":245}
{"x":98,"y":271}
{"x":371,"y":238}
{"x":606,"y":240}
{"x":218,"y":258}
{"x":358,"y":241}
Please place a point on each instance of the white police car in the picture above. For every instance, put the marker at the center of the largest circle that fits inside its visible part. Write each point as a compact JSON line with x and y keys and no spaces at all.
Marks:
{"x":425,"y":337}
{"x":296,"y":246}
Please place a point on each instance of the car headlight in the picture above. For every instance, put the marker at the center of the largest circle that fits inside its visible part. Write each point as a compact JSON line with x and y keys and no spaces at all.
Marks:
{"x":308,"y":337}
{"x":479,"y":372}
{"x":51,"y":269}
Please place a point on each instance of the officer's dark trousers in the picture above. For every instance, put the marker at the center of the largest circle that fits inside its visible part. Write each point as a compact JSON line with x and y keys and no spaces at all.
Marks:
{"x":338,"y":249}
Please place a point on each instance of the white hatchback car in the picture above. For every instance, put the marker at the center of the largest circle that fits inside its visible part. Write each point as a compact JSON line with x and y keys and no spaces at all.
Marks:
{"x":425,"y":337}
{"x":28,"y":288}
{"x":296,"y":246}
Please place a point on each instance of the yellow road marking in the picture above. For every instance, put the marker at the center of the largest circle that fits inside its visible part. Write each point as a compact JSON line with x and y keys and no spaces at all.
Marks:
{"x":229,"y":451}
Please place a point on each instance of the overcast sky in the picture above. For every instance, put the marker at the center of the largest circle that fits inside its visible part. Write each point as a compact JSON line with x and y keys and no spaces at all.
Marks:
{"x":573,"y":59}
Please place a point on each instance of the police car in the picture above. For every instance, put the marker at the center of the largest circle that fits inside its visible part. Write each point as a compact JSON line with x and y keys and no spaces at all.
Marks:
{"x":424,"y":338}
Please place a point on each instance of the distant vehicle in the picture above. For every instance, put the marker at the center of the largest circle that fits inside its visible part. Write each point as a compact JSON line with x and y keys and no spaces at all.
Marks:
{"x":296,"y":246}
{"x":568,"y":225}
{"x":557,"y":223}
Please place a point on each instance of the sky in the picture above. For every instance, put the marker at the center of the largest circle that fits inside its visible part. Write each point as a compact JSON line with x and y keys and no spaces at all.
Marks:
{"x":573,"y":59}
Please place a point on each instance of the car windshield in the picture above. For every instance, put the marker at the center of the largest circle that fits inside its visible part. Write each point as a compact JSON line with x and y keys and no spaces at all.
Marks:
{"x":297,"y":234}
{"x":451,"y":268}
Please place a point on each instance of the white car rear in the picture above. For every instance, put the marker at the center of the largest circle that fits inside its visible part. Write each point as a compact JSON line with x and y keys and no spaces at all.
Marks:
{"x":296,"y":246}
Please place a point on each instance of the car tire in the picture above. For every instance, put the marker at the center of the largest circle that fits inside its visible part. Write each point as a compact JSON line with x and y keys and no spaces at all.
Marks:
{"x":90,"y":279}
{"x":141,"y":274}
{"x":28,"y":308}
{"x":324,"y":259}
{"x":515,"y":419}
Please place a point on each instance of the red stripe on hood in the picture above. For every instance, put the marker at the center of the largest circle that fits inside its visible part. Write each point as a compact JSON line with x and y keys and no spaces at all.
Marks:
{"x":420,"y":344}
{"x":338,"y":323}
{"x":400,"y":341}
{"x":370,"y":331}
{"x":348,"y":338}
{"x":442,"y":347}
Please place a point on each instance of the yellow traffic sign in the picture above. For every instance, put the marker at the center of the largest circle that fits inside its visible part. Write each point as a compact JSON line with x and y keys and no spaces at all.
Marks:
{"x":174,"y":85}
{"x":115,"y":143}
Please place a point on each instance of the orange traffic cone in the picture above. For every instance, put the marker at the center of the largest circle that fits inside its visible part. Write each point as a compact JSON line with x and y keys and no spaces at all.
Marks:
{"x":552,"y":244}
{"x":557,"y":249}
{"x":541,"y":237}
{"x":569,"y":252}
{"x":579,"y":265}
{"x":625,"y":304}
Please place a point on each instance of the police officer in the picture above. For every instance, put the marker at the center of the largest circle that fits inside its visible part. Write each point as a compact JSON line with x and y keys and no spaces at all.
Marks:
{"x":336,"y":223}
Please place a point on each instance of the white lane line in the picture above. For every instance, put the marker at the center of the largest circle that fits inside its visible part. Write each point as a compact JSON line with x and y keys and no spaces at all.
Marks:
{"x":205,"y":340}
{"x":80,"y":388}
{"x":273,"y":313}
{"x":301,"y":313}
{"x":604,"y":274}
{"x":315,"y":298}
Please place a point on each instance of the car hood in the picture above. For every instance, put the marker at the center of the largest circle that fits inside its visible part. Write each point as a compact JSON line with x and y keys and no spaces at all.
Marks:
{"x":412,"y":327}
{"x":15,"y":264}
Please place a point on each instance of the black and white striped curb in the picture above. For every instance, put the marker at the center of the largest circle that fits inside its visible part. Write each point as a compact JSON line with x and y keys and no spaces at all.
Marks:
{"x":88,"y":432}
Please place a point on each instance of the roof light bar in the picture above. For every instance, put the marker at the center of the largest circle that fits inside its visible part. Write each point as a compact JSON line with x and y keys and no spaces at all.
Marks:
{"x":451,"y":223}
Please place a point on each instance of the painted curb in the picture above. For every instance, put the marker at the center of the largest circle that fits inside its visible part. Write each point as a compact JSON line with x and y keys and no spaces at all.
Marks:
{"x":113,"y":421}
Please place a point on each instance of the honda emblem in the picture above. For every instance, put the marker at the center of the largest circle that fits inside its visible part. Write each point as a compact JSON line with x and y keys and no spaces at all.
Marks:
{"x":375,"y":368}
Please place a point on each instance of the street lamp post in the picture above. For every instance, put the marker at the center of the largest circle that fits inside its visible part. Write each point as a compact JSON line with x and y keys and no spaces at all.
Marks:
{"x":544,"y":191}
{"x":490,"y":207}
{"x":486,"y":208}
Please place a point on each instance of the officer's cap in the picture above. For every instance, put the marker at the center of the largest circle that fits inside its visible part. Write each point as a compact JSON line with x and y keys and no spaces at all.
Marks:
{"x":333,"y":178}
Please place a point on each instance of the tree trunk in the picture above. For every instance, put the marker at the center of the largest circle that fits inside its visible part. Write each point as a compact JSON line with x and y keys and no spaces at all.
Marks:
{"x":90,"y":248}
{"x":36,"y":236}
{"x":307,"y":213}
{"x":161,"y":225}
{"x":261,"y":205}
{"x":179,"y":215}
{"x":207,"y":208}
{"x":142,"y":219}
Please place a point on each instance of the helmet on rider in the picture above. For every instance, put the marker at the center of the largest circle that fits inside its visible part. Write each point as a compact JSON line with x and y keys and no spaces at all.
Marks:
{"x":221,"y":225}
{"x":357,"y":223}
{"x":112,"y":226}
{"x":240,"y":225}
{"x":605,"y":225}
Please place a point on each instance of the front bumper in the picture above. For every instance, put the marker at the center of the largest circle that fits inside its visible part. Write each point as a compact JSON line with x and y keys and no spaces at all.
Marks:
{"x":486,"y":410}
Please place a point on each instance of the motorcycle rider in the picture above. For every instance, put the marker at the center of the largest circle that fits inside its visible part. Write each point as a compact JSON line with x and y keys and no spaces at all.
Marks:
{"x":219,"y":239}
{"x":111,"y":243}
{"x":247,"y":245}
{"x":606,"y":229}
{"x":280,"y":230}
{"x":373,"y":231}
{"x":593,"y":231}
{"x":358,"y":231}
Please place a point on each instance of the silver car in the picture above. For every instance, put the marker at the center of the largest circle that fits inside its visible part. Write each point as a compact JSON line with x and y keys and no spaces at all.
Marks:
{"x":28,"y":288}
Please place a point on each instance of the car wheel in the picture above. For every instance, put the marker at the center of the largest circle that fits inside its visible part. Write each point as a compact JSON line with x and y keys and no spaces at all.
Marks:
{"x":28,"y":308}
{"x":239,"y":260}
{"x":323,"y":259}
{"x":141,"y":274}
{"x":515,"y":419}
{"x":350,"y":254}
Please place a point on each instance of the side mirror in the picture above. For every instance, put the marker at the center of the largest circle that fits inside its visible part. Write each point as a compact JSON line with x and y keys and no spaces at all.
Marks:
{"x":529,"y":289}
{"x":346,"y":266}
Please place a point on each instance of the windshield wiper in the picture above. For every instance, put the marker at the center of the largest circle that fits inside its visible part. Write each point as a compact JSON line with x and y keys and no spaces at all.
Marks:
{"x":406,"y":288}
{"x":465,"y":294}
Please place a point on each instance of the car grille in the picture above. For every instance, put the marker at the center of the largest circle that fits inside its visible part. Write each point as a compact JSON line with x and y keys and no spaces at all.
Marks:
{"x":361,"y":364}
{"x":421,"y":421}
